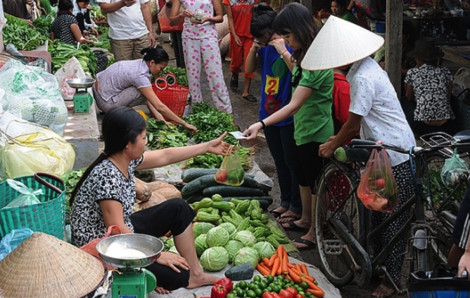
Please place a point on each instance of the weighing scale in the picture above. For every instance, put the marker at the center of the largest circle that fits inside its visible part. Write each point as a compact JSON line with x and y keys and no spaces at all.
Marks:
{"x":129,"y":253}
{"x":82,"y":100}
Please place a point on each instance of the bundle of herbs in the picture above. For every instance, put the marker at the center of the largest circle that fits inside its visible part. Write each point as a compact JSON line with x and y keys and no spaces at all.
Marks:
{"x":21,"y":35}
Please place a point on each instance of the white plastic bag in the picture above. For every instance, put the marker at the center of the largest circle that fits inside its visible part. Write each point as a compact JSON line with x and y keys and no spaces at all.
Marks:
{"x":27,"y":148}
{"x":27,"y":195}
{"x":70,"y":70}
{"x":33,"y":94}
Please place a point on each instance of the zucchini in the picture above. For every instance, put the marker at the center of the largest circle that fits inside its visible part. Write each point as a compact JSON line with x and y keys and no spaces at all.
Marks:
{"x":197,"y":185}
{"x":249,"y":181}
{"x":264,"y":201}
{"x":193,"y":198}
{"x":189,"y":175}
{"x":240,"y":272}
{"x":226,"y":191}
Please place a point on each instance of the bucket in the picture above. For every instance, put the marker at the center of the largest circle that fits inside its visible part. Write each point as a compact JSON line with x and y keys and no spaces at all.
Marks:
{"x":379,"y":27}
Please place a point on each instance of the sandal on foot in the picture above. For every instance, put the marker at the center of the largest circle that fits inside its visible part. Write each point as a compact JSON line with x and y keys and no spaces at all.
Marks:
{"x":250,"y":98}
{"x":382,"y":291}
{"x":308,"y":244}
{"x":287,"y":218}
{"x":233,"y":84}
{"x":275,"y":214}
{"x":291,"y":225}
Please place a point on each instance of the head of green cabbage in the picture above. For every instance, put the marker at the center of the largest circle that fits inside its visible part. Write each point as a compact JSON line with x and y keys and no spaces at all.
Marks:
{"x":217,"y":236}
{"x":201,"y":244}
{"x":201,"y":228}
{"x":245,"y":237}
{"x":246,"y":255}
{"x":214,"y":258}
{"x":264,"y":249}
{"x":232,"y":247}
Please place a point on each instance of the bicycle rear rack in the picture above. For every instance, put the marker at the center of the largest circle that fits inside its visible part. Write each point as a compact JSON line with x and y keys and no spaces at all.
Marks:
{"x":437,"y":139}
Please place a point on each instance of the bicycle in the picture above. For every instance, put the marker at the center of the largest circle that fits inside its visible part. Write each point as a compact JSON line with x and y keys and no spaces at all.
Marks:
{"x":343,"y":232}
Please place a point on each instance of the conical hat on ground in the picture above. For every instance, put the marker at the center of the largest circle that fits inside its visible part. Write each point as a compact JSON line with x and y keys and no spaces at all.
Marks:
{"x":44,"y":266}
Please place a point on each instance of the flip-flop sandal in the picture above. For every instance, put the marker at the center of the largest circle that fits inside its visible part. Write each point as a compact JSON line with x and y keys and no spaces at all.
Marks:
{"x":291,"y":225}
{"x":250,"y":98}
{"x":309,"y":244}
{"x":233,"y":84}
{"x":382,"y":291}
{"x":276,"y":214}
{"x":289,"y":217}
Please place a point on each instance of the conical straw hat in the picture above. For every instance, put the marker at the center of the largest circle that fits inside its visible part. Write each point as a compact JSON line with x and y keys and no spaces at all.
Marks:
{"x":340,"y":43}
{"x":44,"y":266}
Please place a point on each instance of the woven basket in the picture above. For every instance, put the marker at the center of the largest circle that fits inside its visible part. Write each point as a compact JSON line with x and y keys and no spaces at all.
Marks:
{"x":47,"y":217}
{"x":174,"y":96}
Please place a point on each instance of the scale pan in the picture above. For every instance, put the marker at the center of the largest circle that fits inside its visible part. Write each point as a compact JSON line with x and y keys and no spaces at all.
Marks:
{"x":80,"y":83}
{"x":129,"y":250}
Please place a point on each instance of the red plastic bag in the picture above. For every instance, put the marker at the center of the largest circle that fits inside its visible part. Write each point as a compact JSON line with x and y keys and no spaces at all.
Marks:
{"x":378,"y":189}
{"x":164,"y":21}
{"x":90,"y":247}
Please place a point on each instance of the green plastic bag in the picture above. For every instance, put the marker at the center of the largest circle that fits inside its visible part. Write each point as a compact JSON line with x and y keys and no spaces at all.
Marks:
{"x":454,"y":171}
{"x":27,"y":195}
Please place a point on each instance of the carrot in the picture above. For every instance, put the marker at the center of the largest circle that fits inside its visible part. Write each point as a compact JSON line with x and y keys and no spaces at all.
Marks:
{"x":294,"y":275}
{"x":297,"y":266}
{"x":304,"y":269}
{"x":271,"y":260}
{"x":285,"y":261}
{"x":262,"y":269}
{"x":266,"y":261}
{"x":311,"y":284}
{"x":281,"y":261}
{"x":317,"y":292}
{"x":311,"y":278}
{"x":275,"y":266}
{"x":286,"y":275}
{"x":290,"y":265}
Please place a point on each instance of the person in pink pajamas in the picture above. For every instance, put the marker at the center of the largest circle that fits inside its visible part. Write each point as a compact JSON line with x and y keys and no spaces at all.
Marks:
{"x":200,"y":48}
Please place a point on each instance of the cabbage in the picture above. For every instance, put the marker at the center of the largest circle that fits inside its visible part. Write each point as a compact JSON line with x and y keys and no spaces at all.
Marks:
{"x":201,"y":244}
{"x":245,"y":237}
{"x":229,"y":227}
{"x":264,"y":249}
{"x":217,"y":236}
{"x":174,"y":250}
{"x":214,"y":258}
{"x":201,"y":228}
{"x":169,"y":243}
{"x":232,"y":247}
{"x":246,"y":255}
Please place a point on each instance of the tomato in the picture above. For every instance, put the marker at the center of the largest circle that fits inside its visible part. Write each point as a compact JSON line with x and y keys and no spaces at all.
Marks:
{"x":299,"y":296}
{"x":292,"y":290}
{"x":270,"y":295}
{"x":285,"y":294}
{"x":380,"y":183}
{"x":221,"y":175}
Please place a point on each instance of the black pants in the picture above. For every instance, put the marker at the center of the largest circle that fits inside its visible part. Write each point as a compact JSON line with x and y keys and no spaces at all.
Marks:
{"x":174,"y":215}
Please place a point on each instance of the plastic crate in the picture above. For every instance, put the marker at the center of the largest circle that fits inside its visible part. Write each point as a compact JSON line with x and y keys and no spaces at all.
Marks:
{"x":47,"y":217}
{"x":423,"y":285}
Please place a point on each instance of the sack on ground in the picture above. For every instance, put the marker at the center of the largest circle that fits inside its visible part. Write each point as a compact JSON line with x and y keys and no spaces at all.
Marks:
{"x":231,"y":171}
{"x":378,"y":189}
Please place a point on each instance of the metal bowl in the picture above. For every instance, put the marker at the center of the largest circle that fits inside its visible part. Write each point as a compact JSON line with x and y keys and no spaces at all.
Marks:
{"x":130,"y":250}
{"x":81,"y":83}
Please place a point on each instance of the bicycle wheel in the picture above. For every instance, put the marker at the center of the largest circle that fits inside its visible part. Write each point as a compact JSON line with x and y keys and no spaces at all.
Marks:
{"x":336,"y":197}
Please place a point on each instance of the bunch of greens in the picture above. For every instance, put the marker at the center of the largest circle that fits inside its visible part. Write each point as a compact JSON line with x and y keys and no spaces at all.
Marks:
{"x":43,"y":25}
{"x":71,"y":179}
{"x":180,"y":74}
{"x":21,"y":35}
{"x":211,"y":123}
{"x":61,"y":52}
{"x":164,"y":135}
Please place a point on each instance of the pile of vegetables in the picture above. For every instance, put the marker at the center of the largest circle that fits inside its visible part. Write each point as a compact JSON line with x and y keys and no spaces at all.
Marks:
{"x":232,"y":232}
{"x":70,"y":180}
{"x":22,"y":36}
{"x":61,"y":52}
{"x":164,"y":135}
{"x":201,"y":183}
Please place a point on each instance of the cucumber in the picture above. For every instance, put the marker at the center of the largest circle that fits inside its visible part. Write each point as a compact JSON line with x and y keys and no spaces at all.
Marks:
{"x":249,"y":181}
{"x":194,"y":198}
{"x":189,"y":175}
{"x":236,"y":191}
{"x":197,"y":185}
{"x":264,"y":201}
{"x":240,"y":272}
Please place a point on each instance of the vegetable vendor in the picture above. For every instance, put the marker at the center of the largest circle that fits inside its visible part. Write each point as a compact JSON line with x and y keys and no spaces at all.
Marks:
{"x":127,"y":83}
{"x":106,"y":192}
{"x":65,"y":28}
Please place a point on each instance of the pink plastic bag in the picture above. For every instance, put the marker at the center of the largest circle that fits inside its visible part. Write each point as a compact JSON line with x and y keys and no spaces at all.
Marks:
{"x":378,"y":189}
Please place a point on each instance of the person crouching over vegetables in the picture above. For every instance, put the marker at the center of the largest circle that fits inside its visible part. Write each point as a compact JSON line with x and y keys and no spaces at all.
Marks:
{"x":127,"y":83}
{"x":105,"y":195}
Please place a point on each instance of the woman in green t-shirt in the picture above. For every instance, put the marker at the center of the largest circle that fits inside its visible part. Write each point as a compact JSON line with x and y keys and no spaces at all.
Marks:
{"x":311,"y":107}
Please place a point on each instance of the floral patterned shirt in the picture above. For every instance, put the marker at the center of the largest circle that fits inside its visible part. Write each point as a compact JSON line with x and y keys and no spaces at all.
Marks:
{"x":199,"y":31}
{"x":374,"y":98}
{"x":105,"y":182}
{"x":430,"y":87}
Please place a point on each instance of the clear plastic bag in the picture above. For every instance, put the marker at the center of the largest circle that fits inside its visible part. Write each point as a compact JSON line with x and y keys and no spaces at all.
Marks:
{"x":454,"y":171}
{"x":27,"y":195}
{"x":231,"y":171}
{"x":378,"y":189}
{"x":12,"y":240}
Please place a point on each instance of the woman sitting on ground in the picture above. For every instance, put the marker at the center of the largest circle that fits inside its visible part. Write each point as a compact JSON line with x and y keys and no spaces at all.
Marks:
{"x":105,"y":196}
